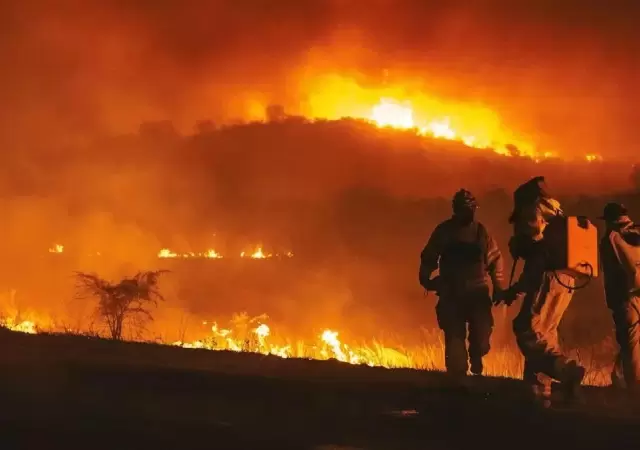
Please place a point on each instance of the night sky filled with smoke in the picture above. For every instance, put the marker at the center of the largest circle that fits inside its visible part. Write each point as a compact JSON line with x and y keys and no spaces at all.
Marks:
{"x":78,"y":79}
{"x":567,"y":74}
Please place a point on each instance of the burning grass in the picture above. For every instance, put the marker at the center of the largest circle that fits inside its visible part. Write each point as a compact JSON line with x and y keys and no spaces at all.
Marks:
{"x":246,"y":334}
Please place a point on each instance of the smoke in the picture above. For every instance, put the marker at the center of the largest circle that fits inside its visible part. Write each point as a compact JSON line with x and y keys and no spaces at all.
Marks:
{"x":564,"y":74}
{"x":80,"y":78}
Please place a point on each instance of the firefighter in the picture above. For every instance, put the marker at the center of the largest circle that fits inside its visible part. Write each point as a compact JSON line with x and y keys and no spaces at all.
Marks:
{"x":466,"y":257}
{"x":619,"y":251}
{"x":547,"y":293}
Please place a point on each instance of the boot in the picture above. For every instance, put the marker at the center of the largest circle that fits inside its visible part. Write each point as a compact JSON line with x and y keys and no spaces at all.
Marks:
{"x":476,"y":366}
{"x":617,"y":382}
{"x":540,"y":391}
{"x":570,"y":386}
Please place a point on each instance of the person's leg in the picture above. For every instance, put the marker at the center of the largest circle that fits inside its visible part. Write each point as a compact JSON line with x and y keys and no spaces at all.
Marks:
{"x":538,"y":384}
{"x":536,"y":330}
{"x":526,"y":337}
{"x":619,"y":373}
{"x":452,"y":322}
{"x":630,"y":347}
{"x":554,"y":363}
{"x":480,"y":320}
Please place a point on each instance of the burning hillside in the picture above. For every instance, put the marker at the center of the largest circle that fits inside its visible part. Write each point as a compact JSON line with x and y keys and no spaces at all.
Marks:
{"x":332,"y":96}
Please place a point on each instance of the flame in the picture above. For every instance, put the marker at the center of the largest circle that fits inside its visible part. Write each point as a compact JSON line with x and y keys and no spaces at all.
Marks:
{"x":259,"y":254}
{"x":165,"y":253}
{"x":389,"y":113}
{"x":26,"y":326}
{"x":394,"y":114}
{"x":332,"y":347}
{"x":592,"y":157}
{"x":210,"y":253}
{"x":254,"y":335}
{"x":328,"y":346}
{"x":406,"y":106}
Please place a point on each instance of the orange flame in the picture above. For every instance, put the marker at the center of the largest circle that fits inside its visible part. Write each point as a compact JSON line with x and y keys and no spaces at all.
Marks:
{"x":166,"y":253}
{"x":57,"y":248}
{"x":332,"y":97}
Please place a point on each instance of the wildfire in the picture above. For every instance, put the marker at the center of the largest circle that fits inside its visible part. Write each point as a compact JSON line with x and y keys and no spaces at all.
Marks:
{"x":258,"y":253}
{"x":388,"y":113}
{"x":397,"y":106}
{"x":25,"y":326}
{"x":394,"y":114}
{"x":591,"y":158}
{"x":327,"y":347}
{"x":165,"y":253}
{"x":57,"y":248}
{"x":253,"y":335}
{"x":210,"y":253}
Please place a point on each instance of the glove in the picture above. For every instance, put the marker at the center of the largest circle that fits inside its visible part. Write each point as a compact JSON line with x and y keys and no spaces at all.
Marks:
{"x":434,"y":285}
{"x":506,"y":296}
{"x":510,"y":295}
{"x":498,"y":297}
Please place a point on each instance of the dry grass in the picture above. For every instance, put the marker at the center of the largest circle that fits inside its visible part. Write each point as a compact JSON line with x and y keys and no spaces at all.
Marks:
{"x":503,"y":361}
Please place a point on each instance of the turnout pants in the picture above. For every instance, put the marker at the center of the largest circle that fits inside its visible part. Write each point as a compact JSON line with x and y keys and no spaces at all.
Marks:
{"x":456,"y":313}
{"x":626,"y":318}
{"x":536,"y":330}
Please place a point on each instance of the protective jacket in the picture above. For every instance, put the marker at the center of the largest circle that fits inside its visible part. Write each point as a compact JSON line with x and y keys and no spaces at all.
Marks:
{"x":466,"y":256}
{"x":620,"y":260}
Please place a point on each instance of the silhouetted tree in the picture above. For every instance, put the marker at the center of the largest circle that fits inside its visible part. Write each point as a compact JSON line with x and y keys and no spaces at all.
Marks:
{"x":126,"y":302}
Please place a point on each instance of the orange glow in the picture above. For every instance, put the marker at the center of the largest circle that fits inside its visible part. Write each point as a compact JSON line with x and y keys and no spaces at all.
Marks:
{"x":254,"y":335}
{"x":591,"y":158}
{"x":166,"y":253}
{"x":259,"y":254}
{"x":57,"y":248}
{"x":389,"y":113}
{"x":328,"y":345}
{"x":210,"y":253}
{"x":334,"y":97}
{"x":25,"y":326}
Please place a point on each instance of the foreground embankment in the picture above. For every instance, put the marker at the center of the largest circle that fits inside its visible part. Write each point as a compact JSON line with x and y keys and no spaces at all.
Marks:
{"x":83,"y":392}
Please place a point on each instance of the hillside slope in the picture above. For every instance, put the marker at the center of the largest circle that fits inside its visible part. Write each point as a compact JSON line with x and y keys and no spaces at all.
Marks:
{"x":87,"y":392}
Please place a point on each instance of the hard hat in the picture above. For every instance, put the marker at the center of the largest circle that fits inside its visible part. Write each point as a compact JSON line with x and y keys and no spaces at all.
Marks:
{"x":464,"y":199}
{"x":613,"y":212}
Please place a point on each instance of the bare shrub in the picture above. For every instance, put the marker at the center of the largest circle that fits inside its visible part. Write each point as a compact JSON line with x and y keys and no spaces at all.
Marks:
{"x":127,"y":302}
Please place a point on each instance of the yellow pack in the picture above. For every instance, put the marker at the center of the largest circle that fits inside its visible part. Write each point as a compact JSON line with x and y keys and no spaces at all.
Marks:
{"x":575,"y":248}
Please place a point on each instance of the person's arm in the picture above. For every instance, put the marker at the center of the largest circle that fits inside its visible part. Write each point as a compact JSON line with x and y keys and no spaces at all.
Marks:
{"x":533,"y":269}
{"x":495,"y":265}
{"x":430,"y":256}
{"x":623,"y":252}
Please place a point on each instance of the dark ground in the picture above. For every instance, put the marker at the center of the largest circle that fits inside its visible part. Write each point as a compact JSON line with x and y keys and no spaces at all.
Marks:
{"x":74,"y":392}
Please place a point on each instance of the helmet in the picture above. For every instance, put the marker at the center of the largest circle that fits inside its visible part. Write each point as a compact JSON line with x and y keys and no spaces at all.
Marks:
{"x":614,"y":212}
{"x":464,"y":199}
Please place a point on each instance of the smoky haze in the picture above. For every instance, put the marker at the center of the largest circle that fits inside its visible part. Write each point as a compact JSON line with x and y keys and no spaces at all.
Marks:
{"x":565,"y":75}
{"x":354,"y":203}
